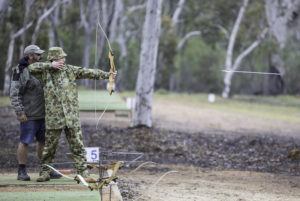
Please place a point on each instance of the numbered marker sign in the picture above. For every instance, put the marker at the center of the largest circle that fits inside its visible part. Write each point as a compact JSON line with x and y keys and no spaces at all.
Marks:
{"x":92,"y":154}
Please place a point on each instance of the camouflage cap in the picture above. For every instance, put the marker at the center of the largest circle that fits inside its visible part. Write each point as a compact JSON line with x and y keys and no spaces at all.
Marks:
{"x":55,"y":53}
{"x":33,"y":49}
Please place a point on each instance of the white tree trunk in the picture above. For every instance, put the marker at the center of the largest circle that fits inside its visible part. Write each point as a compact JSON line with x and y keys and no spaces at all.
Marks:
{"x":175,"y":17}
{"x":147,"y":68}
{"x":3,"y":7}
{"x":105,"y":13}
{"x":279,"y":14}
{"x":46,"y":13}
{"x":54,"y":39}
{"x":28,"y":4}
{"x":228,"y":62}
{"x":118,"y":9}
{"x":233,"y":35}
{"x":10,"y":54}
{"x":89,"y":27}
{"x":280,"y":18}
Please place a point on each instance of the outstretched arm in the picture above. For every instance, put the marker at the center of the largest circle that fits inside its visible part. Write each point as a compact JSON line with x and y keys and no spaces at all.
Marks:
{"x":85,"y":73}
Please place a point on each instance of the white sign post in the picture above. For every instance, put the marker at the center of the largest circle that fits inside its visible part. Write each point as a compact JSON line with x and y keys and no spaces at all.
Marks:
{"x":92,"y":154}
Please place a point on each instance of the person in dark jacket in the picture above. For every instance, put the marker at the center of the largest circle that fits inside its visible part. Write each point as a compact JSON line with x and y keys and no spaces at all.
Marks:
{"x":27,"y":99}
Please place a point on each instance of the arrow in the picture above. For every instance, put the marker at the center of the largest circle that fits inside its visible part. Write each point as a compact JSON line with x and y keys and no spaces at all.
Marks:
{"x":250,"y":72}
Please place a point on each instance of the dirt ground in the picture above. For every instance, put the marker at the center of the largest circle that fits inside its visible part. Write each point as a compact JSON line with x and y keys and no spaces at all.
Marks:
{"x":189,"y":183}
{"x":197,"y":184}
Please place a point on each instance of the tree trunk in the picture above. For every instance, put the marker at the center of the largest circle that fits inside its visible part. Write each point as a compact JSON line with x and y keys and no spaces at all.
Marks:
{"x":3,"y":7}
{"x":228,"y":62}
{"x":28,"y":4}
{"x":54,"y":39}
{"x":105,"y":13}
{"x":89,"y":26}
{"x":147,"y":68}
{"x":276,"y":83}
{"x":236,"y":65}
{"x":280,"y":16}
{"x":178,"y":10}
{"x":46,"y":13}
{"x":10,"y":54}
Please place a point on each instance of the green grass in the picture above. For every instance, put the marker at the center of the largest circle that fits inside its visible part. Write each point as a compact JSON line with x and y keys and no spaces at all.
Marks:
{"x":99,"y":100}
{"x":4,"y":101}
{"x":49,"y":195}
{"x":284,"y":100}
{"x":89,"y":100}
{"x":280,"y":108}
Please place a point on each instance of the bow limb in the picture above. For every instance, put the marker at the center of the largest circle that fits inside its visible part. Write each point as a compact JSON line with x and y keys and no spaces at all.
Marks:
{"x":112,"y":70}
{"x":111,"y":62}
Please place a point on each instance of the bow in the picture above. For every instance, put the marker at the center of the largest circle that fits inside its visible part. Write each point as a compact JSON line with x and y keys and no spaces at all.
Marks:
{"x":92,"y":183}
{"x":113,"y":70}
{"x":111,"y":62}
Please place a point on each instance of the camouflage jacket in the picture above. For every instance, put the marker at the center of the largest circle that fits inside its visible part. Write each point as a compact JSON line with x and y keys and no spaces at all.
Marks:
{"x":26,"y":94}
{"x":60,"y":91}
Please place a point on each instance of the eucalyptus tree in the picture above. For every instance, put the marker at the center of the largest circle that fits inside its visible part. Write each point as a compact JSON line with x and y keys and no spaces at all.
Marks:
{"x":147,"y":67}
{"x":4,"y":4}
{"x":281,"y":16}
{"x":171,"y":19}
{"x":231,"y":65}
{"x":17,"y":29}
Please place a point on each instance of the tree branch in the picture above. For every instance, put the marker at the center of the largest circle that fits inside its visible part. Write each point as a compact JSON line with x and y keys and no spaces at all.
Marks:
{"x":185,"y":38}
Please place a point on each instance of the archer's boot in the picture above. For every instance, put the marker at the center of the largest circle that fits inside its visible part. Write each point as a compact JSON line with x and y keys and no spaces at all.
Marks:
{"x":22,"y":174}
{"x":54,"y":175}
{"x":44,"y":177}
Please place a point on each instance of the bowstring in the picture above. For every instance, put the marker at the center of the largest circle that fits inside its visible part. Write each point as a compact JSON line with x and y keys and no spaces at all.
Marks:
{"x":110,"y":49}
{"x":95,"y":82}
{"x":109,"y":46}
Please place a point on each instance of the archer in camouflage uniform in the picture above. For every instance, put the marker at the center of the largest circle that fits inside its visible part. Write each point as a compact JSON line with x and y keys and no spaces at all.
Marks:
{"x":62,"y":110}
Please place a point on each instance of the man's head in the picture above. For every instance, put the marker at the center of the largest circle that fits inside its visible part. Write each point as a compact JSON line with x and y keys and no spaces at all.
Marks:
{"x":56,"y":53}
{"x":33,"y":53}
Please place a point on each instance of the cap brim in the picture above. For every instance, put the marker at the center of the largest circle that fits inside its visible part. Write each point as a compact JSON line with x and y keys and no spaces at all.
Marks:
{"x":40,"y":52}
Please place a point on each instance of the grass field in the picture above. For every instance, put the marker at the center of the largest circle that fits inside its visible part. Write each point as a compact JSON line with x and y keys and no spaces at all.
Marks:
{"x":280,"y":107}
{"x":4,"y":101}
{"x":89,"y":100}
{"x":57,"y":189}
{"x":99,"y":100}
{"x":50,"y":196}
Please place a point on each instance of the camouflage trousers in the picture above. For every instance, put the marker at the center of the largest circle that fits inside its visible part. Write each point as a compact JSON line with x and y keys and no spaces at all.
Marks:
{"x":74,"y":137}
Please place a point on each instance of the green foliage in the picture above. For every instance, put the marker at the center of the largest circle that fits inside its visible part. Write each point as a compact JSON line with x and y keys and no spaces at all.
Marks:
{"x":161,"y":91}
{"x":15,"y":17}
{"x":166,"y":55}
{"x":258,"y":61}
{"x":291,"y":54}
{"x":196,"y":69}
{"x":200,"y":67}
{"x":130,"y":67}
{"x":71,"y":36}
